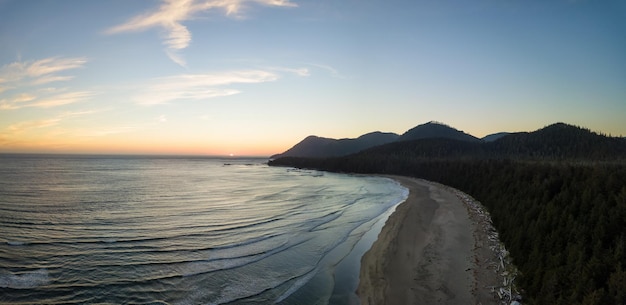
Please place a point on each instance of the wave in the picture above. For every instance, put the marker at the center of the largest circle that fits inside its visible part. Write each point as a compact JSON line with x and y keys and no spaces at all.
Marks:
{"x":25,"y":280}
{"x":246,"y":290}
{"x":298,"y":283}
{"x":16,"y":243}
{"x":320,"y":221}
{"x":212,"y":265}
{"x":250,"y":225}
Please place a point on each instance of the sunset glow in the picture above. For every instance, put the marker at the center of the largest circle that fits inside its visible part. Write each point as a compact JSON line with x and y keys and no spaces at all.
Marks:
{"x":243,"y":77}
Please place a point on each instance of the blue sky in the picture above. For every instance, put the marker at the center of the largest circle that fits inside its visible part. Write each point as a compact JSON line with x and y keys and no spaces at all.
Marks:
{"x":255,"y":76}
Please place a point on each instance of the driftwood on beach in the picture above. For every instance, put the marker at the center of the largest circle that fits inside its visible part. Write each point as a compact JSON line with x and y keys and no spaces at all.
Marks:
{"x":438,"y":247}
{"x":501,"y":262}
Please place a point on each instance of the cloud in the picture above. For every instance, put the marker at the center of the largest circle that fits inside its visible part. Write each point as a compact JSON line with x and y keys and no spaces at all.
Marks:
{"x":63,"y":99}
{"x":297,"y":71}
{"x":112,"y":131}
{"x":200,"y":86}
{"x":38,"y":72}
{"x":23,"y":76}
{"x":17,"y":101}
{"x":334,"y":72}
{"x":71,"y":114}
{"x":175,"y":57}
{"x":170,"y":15}
{"x":51,"y":65}
{"x":29,"y":100}
{"x":23,"y":126}
{"x":51,"y":78}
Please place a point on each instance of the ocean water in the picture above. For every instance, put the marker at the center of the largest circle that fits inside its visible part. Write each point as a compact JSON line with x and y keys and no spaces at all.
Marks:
{"x":180,"y":230}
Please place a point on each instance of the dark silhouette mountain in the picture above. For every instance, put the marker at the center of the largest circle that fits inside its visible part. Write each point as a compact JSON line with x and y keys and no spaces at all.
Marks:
{"x":494,"y":136}
{"x":436,"y":140}
{"x":557,"y":142}
{"x":318,"y":147}
{"x":560,"y":141}
{"x":311,"y":146}
{"x":436,"y":130}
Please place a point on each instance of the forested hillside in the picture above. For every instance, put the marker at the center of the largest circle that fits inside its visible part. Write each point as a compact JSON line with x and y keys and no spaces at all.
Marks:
{"x":557,"y":196}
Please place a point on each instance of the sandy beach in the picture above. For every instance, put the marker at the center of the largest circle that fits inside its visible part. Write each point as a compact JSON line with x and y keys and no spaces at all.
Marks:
{"x":429,"y":252}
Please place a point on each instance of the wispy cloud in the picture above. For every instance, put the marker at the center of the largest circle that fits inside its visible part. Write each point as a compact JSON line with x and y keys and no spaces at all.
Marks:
{"x":297,"y":71}
{"x":334,"y":72}
{"x":38,"y":72}
{"x":171,"y":14}
{"x":41,"y":132}
{"x":200,"y":86}
{"x":51,"y":78}
{"x":26,"y":125}
{"x":46,"y":101}
{"x":112,"y":131}
{"x":23,"y":126}
{"x":23,"y":79}
{"x":17,"y":101}
{"x":63,"y":99}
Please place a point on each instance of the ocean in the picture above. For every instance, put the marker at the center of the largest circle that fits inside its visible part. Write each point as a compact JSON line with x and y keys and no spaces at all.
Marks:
{"x":183,"y":230}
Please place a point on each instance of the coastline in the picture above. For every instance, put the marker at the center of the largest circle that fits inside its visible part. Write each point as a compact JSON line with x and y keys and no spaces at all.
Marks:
{"x":432,"y":250}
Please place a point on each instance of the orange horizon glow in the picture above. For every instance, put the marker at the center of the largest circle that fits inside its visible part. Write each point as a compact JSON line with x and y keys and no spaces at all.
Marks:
{"x":227,"y":145}
{"x":145,"y":149}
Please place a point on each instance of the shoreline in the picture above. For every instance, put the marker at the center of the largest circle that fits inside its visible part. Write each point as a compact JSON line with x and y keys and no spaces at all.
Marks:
{"x":433,"y":249}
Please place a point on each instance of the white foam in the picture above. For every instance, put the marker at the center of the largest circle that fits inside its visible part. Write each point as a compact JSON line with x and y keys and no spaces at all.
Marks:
{"x":296,"y":285}
{"x":24,"y":281}
{"x":15,"y":243}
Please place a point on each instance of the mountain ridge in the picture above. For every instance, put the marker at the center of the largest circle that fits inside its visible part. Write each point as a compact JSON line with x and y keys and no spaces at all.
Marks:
{"x":558,"y":141}
{"x":321,"y":147}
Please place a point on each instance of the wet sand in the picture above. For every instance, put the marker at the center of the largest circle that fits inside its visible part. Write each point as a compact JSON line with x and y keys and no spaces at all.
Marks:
{"x":430,"y":251}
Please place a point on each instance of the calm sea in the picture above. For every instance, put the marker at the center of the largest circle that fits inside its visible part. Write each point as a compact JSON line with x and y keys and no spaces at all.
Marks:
{"x":180,"y":230}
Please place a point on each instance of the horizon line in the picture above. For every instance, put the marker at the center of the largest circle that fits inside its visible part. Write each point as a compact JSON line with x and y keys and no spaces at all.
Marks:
{"x":137,"y":155}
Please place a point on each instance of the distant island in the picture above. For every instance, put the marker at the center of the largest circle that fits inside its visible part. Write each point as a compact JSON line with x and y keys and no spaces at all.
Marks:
{"x":557,"y":196}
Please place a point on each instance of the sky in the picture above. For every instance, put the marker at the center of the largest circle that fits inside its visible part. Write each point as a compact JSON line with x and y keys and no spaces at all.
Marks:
{"x":254,"y":77}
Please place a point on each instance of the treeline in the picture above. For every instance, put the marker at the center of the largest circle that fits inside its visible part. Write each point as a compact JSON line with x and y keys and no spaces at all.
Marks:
{"x":558,"y":142}
{"x":564,"y":222}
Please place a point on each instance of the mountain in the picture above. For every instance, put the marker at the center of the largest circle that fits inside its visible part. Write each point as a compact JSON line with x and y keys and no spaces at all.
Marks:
{"x":318,"y":147}
{"x":436,"y":130}
{"x":311,"y":146}
{"x":494,"y":136}
{"x":555,"y":142}
{"x":560,"y":141}
{"x":437,"y":140}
